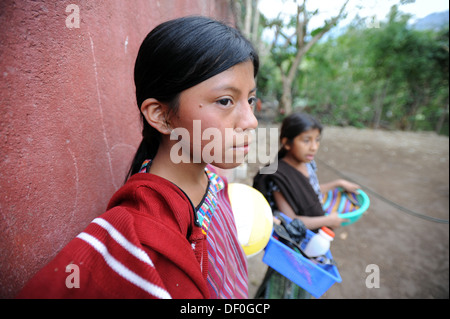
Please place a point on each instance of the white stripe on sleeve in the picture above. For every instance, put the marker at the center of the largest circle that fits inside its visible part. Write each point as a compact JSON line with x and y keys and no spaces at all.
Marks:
{"x":122,"y":241}
{"x":123,"y":271}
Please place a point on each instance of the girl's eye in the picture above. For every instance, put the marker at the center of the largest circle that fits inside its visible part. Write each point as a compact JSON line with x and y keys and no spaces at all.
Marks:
{"x":225,"y":102}
{"x":252,"y":102}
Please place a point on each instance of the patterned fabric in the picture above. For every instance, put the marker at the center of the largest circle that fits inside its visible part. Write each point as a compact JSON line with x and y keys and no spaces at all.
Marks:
{"x":227,"y":266}
{"x":141,"y":247}
{"x":208,"y":206}
{"x":227,"y":263}
{"x":276,"y":286}
{"x":145,"y":166}
{"x":313,"y":180}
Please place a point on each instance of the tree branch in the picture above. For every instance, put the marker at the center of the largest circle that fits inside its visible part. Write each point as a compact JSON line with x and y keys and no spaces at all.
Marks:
{"x":303,"y":49}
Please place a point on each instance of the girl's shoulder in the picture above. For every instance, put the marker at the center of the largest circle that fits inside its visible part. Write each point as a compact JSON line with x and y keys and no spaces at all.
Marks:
{"x":146,"y":187}
{"x":149,"y":196}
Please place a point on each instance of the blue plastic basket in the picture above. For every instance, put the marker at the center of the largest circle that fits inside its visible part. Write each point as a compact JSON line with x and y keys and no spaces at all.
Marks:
{"x":311,"y":276}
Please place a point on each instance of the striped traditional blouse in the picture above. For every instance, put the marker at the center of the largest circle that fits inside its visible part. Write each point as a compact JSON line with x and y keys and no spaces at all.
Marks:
{"x":227,"y":267}
{"x":227,"y":264}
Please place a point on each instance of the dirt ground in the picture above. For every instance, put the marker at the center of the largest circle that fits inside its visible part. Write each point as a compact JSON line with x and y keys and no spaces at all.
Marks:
{"x":411,"y":252}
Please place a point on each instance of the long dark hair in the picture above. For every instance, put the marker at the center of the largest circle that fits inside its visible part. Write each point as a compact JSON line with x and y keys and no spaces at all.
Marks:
{"x":294,"y":125}
{"x":177,"y":55}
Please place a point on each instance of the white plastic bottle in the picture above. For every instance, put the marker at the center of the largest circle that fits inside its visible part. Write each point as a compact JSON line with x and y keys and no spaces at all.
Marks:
{"x":319,"y":244}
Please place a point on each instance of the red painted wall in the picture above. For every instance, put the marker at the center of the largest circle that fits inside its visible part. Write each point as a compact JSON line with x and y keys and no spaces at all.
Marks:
{"x":69,"y":123}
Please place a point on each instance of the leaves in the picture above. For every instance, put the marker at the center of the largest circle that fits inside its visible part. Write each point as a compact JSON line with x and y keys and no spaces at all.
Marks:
{"x":394,"y":73}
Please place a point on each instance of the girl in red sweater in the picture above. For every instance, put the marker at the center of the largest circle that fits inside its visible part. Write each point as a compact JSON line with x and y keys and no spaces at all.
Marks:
{"x":169,"y":232}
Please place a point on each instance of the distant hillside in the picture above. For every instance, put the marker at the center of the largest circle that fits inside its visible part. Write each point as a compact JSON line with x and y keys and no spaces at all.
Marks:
{"x":434,"y":21}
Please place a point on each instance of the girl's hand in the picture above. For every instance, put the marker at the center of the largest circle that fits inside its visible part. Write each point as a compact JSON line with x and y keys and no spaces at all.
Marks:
{"x":334,"y":221}
{"x":349,"y":186}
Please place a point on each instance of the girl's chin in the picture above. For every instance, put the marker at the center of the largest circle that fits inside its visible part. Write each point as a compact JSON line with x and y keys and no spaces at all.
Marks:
{"x":226,"y":165}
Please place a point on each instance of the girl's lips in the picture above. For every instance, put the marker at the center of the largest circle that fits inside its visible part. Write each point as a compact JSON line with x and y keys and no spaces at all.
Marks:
{"x":242,"y":148}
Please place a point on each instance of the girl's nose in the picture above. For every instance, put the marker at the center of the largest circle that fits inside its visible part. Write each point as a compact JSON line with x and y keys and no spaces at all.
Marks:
{"x":246,"y":118}
{"x":315,"y":145}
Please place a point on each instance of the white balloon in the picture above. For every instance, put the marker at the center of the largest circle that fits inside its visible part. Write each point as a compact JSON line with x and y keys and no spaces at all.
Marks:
{"x":253,"y":217}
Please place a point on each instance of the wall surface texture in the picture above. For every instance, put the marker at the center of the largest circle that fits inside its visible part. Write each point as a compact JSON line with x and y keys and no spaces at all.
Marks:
{"x":69,"y":123}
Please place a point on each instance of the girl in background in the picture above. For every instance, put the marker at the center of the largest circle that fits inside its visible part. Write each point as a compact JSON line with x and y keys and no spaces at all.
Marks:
{"x":169,"y":232}
{"x":295,"y":191}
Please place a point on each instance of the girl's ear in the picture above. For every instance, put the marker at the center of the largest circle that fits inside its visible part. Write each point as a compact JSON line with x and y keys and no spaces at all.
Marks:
{"x":285,"y":143}
{"x":155,"y":114}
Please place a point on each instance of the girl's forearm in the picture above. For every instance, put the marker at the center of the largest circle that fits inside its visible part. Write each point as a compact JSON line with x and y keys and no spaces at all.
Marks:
{"x":330,"y":185}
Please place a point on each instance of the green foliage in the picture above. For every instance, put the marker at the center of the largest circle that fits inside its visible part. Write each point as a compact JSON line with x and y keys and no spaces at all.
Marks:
{"x":269,"y":80}
{"x":392,"y":76}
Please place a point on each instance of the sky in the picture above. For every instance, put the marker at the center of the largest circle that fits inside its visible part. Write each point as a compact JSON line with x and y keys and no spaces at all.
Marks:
{"x":370,"y":8}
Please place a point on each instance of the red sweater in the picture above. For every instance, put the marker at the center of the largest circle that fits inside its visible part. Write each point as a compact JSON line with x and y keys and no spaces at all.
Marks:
{"x":146,"y":245}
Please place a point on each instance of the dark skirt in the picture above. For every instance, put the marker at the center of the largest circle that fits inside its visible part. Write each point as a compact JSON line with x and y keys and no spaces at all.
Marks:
{"x":276,"y":286}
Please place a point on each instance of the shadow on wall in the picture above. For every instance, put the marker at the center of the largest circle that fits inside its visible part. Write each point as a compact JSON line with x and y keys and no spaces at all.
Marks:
{"x":69,"y":121}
